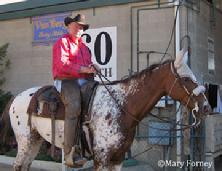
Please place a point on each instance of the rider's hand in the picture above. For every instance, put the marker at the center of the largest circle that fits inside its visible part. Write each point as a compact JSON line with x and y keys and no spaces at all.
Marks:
{"x":87,"y":70}
{"x":95,"y":67}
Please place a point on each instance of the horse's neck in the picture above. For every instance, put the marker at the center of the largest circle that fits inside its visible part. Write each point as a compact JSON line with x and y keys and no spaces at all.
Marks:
{"x":144,"y":92}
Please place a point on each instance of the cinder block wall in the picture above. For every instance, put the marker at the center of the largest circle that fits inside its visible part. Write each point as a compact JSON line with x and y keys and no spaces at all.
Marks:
{"x":30,"y":65}
{"x":200,"y":28}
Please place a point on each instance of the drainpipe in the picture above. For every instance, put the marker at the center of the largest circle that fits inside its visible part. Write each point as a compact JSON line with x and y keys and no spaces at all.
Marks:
{"x":179,"y":113}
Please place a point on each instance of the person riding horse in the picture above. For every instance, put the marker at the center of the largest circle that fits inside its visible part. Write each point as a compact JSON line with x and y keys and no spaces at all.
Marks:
{"x":113,"y":118}
{"x":72,"y":67}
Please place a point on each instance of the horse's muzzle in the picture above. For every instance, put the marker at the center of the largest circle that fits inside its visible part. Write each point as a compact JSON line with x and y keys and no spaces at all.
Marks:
{"x":207,"y":109}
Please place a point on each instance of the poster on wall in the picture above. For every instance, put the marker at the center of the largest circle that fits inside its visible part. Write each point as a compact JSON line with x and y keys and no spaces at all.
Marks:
{"x":103,"y":46}
{"x":47,"y":29}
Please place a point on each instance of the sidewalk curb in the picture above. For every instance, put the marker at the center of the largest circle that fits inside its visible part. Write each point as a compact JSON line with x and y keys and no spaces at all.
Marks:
{"x":53,"y":166}
{"x":45,"y":165}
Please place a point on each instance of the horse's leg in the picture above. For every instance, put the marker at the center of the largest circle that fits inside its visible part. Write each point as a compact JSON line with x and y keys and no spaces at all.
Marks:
{"x":28,"y":148}
{"x":101,"y":168}
{"x":22,"y":154}
{"x":34,"y":149}
{"x":97,"y":166}
{"x":116,"y":167}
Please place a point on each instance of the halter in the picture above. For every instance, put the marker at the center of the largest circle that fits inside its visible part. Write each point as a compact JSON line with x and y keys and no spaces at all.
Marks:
{"x":199,"y":89}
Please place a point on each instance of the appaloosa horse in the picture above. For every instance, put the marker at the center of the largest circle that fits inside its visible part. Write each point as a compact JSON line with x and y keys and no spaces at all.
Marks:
{"x":113,"y":128}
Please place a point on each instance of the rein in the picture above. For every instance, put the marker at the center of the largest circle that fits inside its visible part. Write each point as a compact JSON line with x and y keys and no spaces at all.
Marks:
{"x":101,"y":76}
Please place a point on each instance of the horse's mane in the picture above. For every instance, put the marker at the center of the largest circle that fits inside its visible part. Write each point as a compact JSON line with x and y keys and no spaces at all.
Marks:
{"x":146,"y":70}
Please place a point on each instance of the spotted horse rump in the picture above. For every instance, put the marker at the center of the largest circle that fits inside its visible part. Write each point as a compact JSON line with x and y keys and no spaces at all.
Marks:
{"x":116,"y":110}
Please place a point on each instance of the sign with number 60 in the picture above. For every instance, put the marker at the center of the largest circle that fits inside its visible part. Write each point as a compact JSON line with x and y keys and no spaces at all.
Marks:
{"x":102,"y":44}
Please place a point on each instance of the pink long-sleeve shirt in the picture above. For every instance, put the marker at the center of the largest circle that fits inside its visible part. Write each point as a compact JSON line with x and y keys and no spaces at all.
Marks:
{"x":68,"y":56}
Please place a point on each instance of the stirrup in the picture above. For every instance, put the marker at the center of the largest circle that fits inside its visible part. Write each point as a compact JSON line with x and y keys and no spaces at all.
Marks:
{"x":79,"y":161}
{"x":77,"y":158}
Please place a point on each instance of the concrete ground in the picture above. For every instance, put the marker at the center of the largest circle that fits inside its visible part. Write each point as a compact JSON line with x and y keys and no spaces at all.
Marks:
{"x":6,"y":165}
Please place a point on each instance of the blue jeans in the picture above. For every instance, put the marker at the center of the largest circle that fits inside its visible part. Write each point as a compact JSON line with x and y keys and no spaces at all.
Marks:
{"x":58,"y":83}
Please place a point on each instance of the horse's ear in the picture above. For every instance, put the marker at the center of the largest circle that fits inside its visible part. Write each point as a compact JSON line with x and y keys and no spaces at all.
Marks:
{"x":185,"y":57}
{"x":179,"y":59}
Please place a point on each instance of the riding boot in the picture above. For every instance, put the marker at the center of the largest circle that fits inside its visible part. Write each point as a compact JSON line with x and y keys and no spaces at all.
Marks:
{"x":72,"y":100}
{"x":71,"y":149}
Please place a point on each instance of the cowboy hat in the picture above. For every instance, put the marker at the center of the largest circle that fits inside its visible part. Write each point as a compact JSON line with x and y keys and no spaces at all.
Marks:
{"x":79,"y":18}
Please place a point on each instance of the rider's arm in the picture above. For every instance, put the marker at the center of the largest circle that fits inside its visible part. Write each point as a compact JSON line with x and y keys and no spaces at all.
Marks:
{"x":61,"y":58}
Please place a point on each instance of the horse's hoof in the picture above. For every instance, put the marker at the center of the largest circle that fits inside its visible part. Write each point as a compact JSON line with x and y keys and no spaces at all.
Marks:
{"x":17,"y":168}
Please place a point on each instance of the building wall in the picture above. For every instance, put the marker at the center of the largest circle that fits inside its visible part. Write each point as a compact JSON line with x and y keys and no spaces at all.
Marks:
{"x":218,"y":47}
{"x":30,"y":66}
{"x":201,"y":25}
{"x":152,"y":28}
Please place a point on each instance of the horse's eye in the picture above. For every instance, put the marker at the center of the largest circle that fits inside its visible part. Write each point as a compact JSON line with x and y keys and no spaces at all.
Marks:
{"x":186,"y":79}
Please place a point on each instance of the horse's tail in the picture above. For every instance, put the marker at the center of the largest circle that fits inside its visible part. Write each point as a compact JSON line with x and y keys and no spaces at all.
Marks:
{"x":5,"y":125}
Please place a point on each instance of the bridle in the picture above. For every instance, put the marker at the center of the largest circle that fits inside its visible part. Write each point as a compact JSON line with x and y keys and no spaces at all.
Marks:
{"x":199,"y":89}
{"x":177,"y":78}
